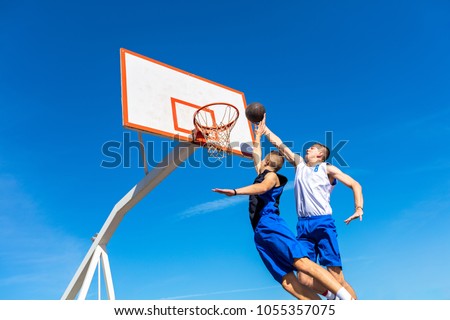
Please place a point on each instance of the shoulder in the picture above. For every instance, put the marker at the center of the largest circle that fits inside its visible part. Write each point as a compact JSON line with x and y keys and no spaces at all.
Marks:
{"x":298,"y":159}
{"x":272,"y":176}
{"x":331,"y":169}
{"x":300,"y":165}
{"x":336,"y":173}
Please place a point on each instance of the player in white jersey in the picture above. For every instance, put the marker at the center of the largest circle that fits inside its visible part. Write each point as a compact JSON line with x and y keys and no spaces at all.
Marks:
{"x":275,"y":242}
{"x":316,"y":230}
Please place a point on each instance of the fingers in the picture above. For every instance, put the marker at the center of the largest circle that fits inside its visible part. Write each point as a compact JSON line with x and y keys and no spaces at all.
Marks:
{"x":263,"y":121}
{"x":353,"y":217}
{"x":226,"y":192}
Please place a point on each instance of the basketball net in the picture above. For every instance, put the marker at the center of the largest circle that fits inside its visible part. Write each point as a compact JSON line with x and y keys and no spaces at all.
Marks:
{"x":215,"y":122}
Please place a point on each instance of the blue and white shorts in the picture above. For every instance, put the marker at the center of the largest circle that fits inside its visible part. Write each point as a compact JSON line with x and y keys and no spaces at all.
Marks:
{"x":318,"y":238}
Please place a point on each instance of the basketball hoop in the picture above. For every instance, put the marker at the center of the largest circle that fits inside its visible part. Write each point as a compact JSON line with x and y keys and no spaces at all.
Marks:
{"x":214,"y":123}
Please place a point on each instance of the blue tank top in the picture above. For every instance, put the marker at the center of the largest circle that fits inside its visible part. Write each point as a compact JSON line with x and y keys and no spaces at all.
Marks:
{"x":267,"y":202}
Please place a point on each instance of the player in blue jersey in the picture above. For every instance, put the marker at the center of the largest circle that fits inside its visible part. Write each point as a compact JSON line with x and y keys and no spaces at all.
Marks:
{"x":316,"y":230}
{"x":275,"y":242}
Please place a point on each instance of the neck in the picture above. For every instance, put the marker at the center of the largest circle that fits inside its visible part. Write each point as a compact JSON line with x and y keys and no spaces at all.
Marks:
{"x":313,"y":163}
{"x":266,"y":168}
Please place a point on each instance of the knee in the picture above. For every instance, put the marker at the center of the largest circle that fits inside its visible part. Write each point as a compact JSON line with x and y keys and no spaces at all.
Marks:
{"x":304,"y":279}
{"x":337,"y":274}
{"x":287,"y":280}
{"x":303,"y":265}
{"x":286,"y":285}
{"x":341,"y":281}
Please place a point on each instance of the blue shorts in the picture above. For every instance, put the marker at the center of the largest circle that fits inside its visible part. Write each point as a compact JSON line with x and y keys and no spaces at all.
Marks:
{"x":277,"y":245}
{"x":318,"y":237}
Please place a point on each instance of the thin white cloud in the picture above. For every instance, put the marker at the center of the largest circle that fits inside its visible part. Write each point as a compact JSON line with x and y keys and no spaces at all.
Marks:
{"x":35,"y":257}
{"x":423,"y":212}
{"x":408,"y":126}
{"x":212,"y":206}
{"x":198,"y":295}
{"x":218,"y":205}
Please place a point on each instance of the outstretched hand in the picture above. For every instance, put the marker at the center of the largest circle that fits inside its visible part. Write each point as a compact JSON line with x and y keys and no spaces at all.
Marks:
{"x":261,"y":127}
{"x":356,"y":215}
{"x":227,"y":192}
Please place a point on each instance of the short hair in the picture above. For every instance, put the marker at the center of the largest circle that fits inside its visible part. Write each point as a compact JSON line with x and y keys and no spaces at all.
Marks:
{"x":276,"y":160}
{"x":324,"y":149}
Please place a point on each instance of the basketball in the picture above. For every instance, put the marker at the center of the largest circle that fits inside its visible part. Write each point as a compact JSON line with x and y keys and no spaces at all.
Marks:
{"x":255,"y":112}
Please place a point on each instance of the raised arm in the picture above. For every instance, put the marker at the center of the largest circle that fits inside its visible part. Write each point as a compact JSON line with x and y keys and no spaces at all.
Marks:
{"x":270,"y":181}
{"x":290,"y":156}
{"x":257,"y":153}
{"x":335,"y":173}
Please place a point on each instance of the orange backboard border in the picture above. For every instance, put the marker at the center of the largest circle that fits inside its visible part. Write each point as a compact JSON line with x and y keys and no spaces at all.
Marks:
{"x":133,"y":126}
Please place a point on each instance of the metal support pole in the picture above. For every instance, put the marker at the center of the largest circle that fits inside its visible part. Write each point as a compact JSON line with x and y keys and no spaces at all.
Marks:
{"x":79,"y":284}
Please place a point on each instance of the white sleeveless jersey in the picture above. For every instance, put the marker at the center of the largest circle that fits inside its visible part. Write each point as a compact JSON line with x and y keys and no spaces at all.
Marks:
{"x":312,"y":190}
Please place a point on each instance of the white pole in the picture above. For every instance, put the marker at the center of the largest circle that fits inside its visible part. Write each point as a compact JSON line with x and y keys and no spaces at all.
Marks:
{"x":107,"y":274}
{"x":180,"y":153}
{"x":85,"y":282}
{"x":99,"y":295}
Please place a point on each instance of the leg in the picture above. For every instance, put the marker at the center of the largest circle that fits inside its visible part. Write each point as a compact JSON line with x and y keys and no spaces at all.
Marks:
{"x":311,"y":283}
{"x":294,"y":287}
{"x":328,"y":252}
{"x":320,"y":274}
{"x":337,"y":273}
{"x":308,"y":245}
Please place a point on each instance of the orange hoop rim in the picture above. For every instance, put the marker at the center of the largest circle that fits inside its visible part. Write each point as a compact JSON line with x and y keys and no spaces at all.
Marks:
{"x":216,"y":128}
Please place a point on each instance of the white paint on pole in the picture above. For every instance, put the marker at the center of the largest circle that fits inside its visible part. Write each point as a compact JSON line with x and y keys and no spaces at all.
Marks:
{"x":83,"y":277}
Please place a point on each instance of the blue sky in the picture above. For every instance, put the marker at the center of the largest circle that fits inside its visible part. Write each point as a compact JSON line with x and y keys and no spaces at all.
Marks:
{"x":376,"y":74}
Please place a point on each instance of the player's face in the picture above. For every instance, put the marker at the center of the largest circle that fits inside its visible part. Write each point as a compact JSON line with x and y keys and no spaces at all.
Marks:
{"x":313,"y":153}
{"x":267,"y":159}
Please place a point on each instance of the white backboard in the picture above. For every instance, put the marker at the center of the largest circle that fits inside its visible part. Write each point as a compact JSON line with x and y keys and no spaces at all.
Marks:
{"x":160,"y":99}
